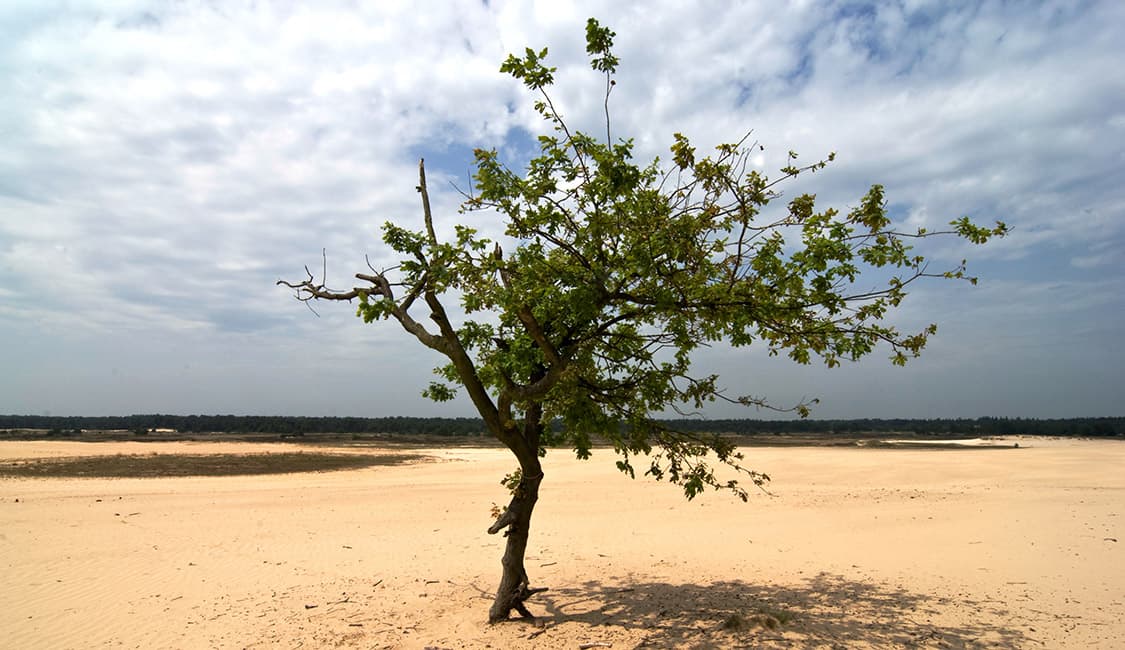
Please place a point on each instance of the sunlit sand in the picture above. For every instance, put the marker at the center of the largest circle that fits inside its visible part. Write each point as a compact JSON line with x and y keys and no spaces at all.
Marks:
{"x":902,"y":547}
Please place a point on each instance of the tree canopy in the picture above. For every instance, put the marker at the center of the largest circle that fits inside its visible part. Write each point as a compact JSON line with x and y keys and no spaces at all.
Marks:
{"x":616,"y":271}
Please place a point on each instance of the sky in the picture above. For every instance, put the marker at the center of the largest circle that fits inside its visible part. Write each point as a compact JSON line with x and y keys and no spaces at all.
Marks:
{"x":165,"y":163}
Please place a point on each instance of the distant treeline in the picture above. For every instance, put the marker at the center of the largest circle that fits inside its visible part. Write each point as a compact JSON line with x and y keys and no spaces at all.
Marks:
{"x":1084,"y":427}
{"x":250,"y":424}
{"x":475,"y":427}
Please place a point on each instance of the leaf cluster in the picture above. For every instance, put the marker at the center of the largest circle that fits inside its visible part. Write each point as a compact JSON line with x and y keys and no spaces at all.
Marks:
{"x":622,"y":269}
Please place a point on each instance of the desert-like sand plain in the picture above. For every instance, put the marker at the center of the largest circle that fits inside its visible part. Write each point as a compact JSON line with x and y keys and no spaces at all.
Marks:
{"x":857,"y":548}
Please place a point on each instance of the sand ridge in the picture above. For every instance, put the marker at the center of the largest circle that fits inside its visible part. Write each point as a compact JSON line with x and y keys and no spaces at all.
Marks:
{"x":874,"y":548}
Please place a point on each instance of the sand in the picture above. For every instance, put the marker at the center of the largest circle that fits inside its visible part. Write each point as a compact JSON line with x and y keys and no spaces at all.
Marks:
{"x":859,"y":548}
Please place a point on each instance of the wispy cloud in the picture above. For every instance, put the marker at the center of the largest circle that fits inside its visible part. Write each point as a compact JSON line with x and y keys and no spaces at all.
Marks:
{"x":165,"y":163}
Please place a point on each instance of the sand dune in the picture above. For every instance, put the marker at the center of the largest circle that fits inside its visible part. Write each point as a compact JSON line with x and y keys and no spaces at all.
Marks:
{"x":876,"y":548}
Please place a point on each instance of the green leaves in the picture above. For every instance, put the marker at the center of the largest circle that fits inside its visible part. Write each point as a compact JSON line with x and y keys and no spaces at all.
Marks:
{"x":530,"y":69}
{"x":599,"y":44}
{"x":404,"y":241}
{"x":620,"y":269}
{"x":439,"y":392}
{"x":371,"y":309}
{"x":978,"y":234}
{"x":683,"y":154}
{"x":872,"y":211}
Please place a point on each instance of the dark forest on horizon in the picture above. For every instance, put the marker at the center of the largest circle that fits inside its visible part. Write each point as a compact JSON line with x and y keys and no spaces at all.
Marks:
{"x":295,"y":425}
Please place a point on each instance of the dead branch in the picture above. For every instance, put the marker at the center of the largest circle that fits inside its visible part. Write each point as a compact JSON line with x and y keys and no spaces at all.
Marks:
{"x":426,"y":202}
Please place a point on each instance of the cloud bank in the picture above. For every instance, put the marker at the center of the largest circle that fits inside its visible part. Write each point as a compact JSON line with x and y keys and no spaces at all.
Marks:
{"x":164,"y":164}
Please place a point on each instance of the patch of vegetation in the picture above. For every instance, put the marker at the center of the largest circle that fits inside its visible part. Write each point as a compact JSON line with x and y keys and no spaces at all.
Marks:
{"x":765,"y":617}
{"x":177,"y":465}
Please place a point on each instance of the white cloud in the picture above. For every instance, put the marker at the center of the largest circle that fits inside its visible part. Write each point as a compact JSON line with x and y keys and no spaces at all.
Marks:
{"x":165,"y":164}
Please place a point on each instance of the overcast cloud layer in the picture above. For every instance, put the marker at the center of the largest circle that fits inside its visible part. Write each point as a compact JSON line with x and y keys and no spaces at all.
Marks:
{"x":165,"y":163}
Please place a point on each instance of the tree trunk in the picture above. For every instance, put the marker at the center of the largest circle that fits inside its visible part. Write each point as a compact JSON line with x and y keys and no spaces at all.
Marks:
{"x":514,"y":589}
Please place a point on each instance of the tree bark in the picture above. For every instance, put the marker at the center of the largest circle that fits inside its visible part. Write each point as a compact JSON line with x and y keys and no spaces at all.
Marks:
{"x":514,"y":585}
{"x":514,"y":588}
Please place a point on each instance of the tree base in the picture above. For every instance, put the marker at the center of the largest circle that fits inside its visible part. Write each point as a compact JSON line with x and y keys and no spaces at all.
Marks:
{"x":502,"y":608}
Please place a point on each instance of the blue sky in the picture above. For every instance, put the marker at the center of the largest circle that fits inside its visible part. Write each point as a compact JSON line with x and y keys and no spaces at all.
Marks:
{"x":165,"y":163}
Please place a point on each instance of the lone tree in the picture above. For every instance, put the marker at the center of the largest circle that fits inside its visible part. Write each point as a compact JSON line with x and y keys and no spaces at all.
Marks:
{"x":585,"y":329}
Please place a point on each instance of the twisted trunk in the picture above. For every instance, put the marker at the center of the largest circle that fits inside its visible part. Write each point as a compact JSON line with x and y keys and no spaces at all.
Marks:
{"x":514,"y":585}
{"x":514,"y":588}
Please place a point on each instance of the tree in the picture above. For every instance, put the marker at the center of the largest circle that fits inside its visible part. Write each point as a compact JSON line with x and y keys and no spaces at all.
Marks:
{"x":585,"y":329}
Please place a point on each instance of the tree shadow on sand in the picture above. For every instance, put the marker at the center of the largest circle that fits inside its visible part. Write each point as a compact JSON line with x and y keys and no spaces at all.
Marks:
{"x":826,"y":611}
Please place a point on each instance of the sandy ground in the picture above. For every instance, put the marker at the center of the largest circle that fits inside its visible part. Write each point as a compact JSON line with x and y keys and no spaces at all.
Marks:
{"x":860,"y":548}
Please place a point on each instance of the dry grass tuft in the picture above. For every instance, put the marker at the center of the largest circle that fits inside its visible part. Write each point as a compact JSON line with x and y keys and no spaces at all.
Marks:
{"x":765,"y":618}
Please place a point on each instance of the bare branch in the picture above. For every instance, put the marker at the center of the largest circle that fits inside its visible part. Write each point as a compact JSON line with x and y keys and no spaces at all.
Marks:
{"x":609,"y":83}
{"x":426,"y":202}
